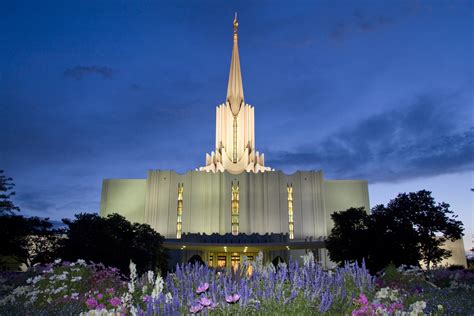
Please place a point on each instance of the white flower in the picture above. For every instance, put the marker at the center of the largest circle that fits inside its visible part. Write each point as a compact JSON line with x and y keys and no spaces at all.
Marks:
{"x":57,"y":261}
{"x":440,"y":307}
{"x":36,"y":279}
{"x":75,"y":279}
{"x":417,"y":307}
{"x":81,"y":262}
{"x":62,"y":277}
{"x":75,"y":296}
{"x":308,"y":259}
{"x":158,"y":288}
{"x":20,"y":290}
{"x":168,"y":297}
{"x":133,"y":277}
{"x":150,"y":276}
{"x":9,"y":299}
{"x":29,"y":280}
{"x":49,"y":300}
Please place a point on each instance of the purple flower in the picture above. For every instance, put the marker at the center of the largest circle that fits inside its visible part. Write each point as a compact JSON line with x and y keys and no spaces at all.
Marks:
{"x":363,"y":311}
{"x":195,"y":309}
{"x":202,"y":288}
{"x":204,"y":301}
{"x":115,"y":301}
{"x":231,"y":299}
{"x":91,"y":302}
{"x":146,"y":298}
{"x":100,"y":307}
{"x":100,"y":296}
{"x":109,"y":291}
{"x":362,"y":299}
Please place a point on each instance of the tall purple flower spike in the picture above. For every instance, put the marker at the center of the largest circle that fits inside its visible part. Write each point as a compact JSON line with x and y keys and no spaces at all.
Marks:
{"x":202,"y":288}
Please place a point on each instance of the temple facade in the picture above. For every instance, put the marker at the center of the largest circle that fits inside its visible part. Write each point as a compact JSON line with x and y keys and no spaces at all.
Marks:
{"x":235,"y":205}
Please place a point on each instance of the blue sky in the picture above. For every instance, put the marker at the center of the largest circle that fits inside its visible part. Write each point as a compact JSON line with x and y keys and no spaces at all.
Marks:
{"x":108,"y":89}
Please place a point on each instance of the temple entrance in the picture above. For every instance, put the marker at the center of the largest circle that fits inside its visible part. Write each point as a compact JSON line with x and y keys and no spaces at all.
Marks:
{"x":228,"y":259}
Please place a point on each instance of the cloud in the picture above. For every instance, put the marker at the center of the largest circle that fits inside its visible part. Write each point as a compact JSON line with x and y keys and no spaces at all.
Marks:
{"x":79,"y":72}
{"x":421,"y":139}
{"x":359,"y":22}
{"x":339,"y":31}
{"x":370,"y":24}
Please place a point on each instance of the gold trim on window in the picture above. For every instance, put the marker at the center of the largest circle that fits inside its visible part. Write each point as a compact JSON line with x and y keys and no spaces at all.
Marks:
{"x":179,"y":220}
{"x":289,"y":189}
{"x":235,"y":208}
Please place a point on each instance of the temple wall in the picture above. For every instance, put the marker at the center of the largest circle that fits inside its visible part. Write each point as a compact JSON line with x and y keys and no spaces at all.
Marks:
{"x":339,"y":195}
{"x":125,"y":197}
{"x":263,"y":205}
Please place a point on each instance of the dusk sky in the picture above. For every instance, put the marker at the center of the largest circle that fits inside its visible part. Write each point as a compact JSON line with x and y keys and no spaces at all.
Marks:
{"x":377,"y":90}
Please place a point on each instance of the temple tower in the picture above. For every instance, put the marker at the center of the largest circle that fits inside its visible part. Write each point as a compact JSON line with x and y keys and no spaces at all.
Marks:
{"x":235,"y":130}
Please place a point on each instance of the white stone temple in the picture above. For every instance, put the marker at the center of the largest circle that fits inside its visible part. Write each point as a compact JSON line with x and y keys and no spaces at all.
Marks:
{"x":235,"y":206}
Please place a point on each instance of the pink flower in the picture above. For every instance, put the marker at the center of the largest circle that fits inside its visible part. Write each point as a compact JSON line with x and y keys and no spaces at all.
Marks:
{"x":195,"y":309}
{"x":395,"y":306}
{"x":202,"y":288}
{"x":363,"y":311}
{"x":204,"y":301}
{"x":100,"y":296}
{"x":146,"y":298}
{"x":231,"y":299}
{"x":115,"y":301}
{"x":362,"y":299}
{"x":91,"y":302}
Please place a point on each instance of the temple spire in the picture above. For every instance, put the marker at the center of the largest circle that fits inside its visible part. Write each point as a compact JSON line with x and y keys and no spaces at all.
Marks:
{"x":235,"y":90}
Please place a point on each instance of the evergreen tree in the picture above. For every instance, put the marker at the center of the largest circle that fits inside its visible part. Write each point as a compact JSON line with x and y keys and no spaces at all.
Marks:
{"x":6,"y":186}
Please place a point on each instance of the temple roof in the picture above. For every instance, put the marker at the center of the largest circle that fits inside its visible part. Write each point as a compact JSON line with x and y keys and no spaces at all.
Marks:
{"x":235,"y":90}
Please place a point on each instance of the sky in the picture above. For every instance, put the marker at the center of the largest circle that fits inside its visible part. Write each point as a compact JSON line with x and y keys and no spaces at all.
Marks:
{"x":376,"y":90}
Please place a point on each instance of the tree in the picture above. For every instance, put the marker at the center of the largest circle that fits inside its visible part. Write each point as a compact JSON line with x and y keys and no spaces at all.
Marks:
{"x":113,"y":241}
{"x":6,"y":186}
{"x":410,"y":229}
{"x":433,"y":223}
{"x":349,"y":237}
{"x":15,"y":245}
{"x":391,"y":241}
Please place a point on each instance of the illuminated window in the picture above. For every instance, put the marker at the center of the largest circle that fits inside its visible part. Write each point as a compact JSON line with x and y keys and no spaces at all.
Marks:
{"x":235,"y":208}
{"x":210,"y":261}
{"x":234,"y":145}
{"x":235,"y":261}
{"x":179,"y":221}
{"x":289,"y":189}
{"x":221,"y":261}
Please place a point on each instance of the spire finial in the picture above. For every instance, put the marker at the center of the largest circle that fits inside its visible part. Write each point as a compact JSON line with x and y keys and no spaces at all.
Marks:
{"x":236,"y":25}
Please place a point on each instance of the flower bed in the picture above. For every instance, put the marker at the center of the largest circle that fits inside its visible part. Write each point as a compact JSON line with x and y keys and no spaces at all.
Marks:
{"x":92,"y":289}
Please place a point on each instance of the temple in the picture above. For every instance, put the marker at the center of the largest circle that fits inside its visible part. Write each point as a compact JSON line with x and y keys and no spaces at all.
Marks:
{"x":235,"y":206}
